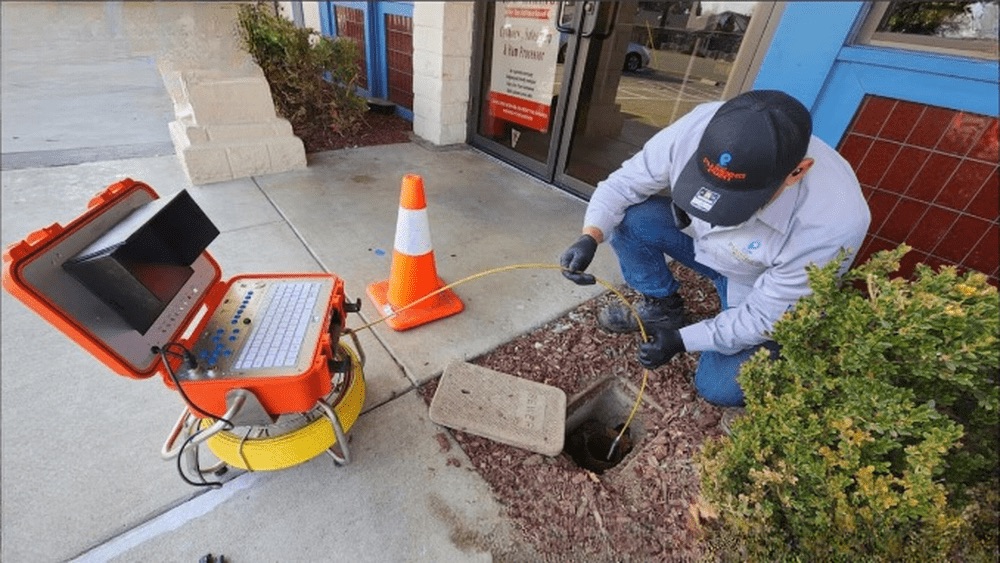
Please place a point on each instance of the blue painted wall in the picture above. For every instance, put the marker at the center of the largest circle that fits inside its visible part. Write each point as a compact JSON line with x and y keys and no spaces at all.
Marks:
{"x":374,"y":14}
{"x":812,"y":58}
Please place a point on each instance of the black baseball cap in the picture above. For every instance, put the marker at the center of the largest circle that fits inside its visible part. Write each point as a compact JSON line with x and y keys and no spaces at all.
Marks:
{"x":752,"y":143}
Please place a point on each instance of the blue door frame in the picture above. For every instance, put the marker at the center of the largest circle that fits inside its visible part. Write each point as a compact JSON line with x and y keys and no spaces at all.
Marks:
{"x":374,"y":15}
{"x":811,"y":58}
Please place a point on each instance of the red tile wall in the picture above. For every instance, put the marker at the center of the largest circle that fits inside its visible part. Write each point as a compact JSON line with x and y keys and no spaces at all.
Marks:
{"x":930,"y":176}
{"x":399,"y":58}
{"x":351,"y":24}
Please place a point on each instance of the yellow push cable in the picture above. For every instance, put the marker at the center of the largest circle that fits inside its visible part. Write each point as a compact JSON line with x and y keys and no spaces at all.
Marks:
{"x":541,"y":266}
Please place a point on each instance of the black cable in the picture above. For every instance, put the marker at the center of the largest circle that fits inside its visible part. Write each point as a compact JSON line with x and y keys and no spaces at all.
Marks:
{"x":173,"y":377}
{"x":180,"y":470}
{"x":189,"y":358}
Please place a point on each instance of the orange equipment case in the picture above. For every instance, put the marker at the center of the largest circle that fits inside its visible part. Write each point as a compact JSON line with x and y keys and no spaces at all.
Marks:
{"x":33,"y":273}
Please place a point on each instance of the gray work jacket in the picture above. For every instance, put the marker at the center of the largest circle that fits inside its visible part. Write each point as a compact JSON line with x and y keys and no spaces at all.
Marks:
{"x":764,"y":258}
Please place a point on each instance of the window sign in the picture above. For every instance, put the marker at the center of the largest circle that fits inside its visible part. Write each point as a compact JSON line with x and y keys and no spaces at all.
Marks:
{"x":525,"y":49}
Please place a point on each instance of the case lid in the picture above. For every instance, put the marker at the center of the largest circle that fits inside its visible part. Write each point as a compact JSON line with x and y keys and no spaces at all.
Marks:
{"x":118,"y":303}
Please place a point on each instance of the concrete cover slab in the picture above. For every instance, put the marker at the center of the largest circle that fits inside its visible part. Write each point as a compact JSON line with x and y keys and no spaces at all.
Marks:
{"x":499,"y":406}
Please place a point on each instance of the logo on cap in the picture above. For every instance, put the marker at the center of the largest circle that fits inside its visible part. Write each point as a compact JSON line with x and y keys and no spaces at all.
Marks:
{"x":720,"y":171}
{"x":705,"y":199}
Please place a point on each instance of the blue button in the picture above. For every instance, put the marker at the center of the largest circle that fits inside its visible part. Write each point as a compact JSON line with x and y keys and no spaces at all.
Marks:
{"x":232,"y":339}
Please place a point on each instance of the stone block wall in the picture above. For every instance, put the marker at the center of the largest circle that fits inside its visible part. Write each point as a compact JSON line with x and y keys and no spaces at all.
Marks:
{"x":442,"y":59}
{"x":226,"y":126}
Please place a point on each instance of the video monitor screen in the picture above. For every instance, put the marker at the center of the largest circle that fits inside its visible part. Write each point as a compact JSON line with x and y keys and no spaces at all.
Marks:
{"x":142,"y":262}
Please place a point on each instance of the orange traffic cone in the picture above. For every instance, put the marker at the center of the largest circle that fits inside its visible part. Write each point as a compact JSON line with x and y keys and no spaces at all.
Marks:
{"x":413,"y":274}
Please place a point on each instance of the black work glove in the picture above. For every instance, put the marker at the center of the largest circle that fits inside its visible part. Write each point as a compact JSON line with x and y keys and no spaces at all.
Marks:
{"x":577,"y":258}
{"x":664,"y":344}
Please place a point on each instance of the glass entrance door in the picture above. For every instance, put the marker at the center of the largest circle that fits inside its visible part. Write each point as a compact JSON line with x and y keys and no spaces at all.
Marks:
{"x":570,"y":90}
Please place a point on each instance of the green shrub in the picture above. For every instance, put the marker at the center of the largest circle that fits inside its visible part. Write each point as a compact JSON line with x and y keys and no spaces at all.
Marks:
{"x":875,"y":436}
{"x":312,"y":77}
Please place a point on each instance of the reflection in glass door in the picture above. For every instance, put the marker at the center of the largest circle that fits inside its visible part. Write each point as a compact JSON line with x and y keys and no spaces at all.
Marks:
{"x":622,"y":71}
{"x":522,"y":74}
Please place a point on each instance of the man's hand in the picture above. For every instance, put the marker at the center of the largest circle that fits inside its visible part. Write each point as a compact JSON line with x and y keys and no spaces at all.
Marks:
{"x":664,"y":344}
{"x":577,"y":258}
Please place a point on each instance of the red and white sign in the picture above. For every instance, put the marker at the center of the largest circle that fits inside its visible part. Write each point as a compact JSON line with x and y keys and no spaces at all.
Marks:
{"x":525,"y":49}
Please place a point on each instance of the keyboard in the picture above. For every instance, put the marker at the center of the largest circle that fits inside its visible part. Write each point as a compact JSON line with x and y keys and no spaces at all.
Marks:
{"x":277,"y":335}
{"x":260,"y":328}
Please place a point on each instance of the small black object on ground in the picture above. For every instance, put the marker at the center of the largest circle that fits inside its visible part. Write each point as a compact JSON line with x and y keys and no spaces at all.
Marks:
{"x":381,"y":106}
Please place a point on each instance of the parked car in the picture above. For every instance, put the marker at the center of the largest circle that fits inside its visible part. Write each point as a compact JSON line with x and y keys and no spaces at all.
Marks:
{"x":636,"y":56}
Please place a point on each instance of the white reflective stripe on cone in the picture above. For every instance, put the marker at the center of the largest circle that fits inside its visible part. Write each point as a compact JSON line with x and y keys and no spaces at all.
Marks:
{"x":413,"y":232}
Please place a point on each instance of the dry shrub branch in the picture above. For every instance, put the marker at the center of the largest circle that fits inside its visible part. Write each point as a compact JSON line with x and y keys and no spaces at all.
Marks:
{"x":312,"y":77}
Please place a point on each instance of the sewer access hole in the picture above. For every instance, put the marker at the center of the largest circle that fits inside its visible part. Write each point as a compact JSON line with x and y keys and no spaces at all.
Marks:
{"x":594,"y":418}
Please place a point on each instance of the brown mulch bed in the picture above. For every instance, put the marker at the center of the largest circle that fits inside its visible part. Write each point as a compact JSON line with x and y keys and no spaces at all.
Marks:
{"x":639,"y":510}
{"x":377,"y":129}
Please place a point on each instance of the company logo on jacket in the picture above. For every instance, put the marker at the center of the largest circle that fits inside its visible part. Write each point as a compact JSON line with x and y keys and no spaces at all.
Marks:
{"x":745,"y":254}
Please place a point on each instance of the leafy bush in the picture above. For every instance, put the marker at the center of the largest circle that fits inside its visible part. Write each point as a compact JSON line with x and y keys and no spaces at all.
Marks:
{"x":875,"y":436}
{"x":312,"y":77}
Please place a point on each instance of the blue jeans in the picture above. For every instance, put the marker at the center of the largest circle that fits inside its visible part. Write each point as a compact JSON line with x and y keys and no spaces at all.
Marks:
{"x":647,"y":232}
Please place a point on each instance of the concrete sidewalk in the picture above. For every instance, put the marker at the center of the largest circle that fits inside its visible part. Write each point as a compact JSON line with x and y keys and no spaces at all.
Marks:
{"x":82,"y":475}
{"x":74,"y":90}
{"x":81,"y":470}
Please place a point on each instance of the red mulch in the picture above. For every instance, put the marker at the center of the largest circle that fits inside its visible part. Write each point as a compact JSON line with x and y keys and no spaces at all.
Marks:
{"x":377,"y":129}
{"x":639,"y":510}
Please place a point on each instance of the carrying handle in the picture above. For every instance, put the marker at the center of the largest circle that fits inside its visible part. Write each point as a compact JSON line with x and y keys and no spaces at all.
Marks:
{"x":562,"y":25}
{"x":170,"y":451}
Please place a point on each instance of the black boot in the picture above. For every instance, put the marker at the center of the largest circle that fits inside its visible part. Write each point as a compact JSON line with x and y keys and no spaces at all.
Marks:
{"x":667,"y":311}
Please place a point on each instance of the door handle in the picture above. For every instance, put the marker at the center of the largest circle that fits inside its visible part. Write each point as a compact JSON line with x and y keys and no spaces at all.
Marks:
{"x":562,"y":18}
{"x":599,"y":19}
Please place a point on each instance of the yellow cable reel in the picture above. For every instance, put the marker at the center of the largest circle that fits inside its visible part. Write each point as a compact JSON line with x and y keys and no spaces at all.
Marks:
{"x":298,"y":446}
